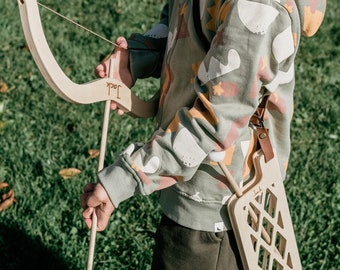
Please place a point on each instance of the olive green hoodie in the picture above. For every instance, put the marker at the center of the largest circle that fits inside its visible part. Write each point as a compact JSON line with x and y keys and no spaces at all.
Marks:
{"x":216,"y":61}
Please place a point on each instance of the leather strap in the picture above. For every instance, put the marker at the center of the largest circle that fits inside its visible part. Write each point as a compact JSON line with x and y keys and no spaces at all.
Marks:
{"x":257,"y":120}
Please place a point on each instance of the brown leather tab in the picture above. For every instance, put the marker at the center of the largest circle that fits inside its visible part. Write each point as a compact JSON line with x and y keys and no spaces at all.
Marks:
{"x":265,"y":144}
{"x":261,"y":132}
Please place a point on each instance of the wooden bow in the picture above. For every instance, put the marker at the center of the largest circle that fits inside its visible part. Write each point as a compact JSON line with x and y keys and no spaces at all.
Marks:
{"x":106,"y":89}
{"x":94,"y":91}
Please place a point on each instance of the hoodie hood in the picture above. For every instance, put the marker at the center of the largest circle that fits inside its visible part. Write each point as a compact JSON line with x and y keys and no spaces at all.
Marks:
{"x":311,"y":13}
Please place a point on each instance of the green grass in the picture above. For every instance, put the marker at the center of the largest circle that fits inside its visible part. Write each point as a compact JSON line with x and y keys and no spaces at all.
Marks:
{"x":41,"y":134}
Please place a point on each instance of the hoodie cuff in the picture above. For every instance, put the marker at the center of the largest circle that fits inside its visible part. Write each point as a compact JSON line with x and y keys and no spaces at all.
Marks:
{"x":118,"y":181}
{"x":145,"y":56}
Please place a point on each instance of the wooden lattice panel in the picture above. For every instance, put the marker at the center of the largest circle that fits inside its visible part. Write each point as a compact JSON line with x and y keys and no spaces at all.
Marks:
{"x":262,"y":222}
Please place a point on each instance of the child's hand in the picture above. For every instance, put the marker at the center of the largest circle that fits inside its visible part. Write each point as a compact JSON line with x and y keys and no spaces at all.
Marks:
{"x":95,"y":197}
{"x":121,"y":68}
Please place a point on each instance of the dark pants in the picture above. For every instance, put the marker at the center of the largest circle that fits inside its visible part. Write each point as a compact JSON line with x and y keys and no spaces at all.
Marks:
{"x":181,"y":248}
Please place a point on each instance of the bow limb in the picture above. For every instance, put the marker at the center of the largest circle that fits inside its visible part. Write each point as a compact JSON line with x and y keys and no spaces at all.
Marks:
{"x":90,"y":92}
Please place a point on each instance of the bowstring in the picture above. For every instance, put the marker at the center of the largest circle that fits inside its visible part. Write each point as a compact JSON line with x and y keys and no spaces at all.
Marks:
{"x":79,"y":25}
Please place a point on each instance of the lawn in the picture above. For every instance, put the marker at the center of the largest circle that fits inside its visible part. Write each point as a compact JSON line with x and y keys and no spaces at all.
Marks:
{"x":41,"y":134}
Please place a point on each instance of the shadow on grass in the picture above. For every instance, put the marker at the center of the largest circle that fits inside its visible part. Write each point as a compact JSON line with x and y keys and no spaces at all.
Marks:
{"x":19,"y":251}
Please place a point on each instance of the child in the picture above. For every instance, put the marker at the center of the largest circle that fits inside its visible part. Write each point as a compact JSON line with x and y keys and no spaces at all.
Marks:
{"x":216,"y":60}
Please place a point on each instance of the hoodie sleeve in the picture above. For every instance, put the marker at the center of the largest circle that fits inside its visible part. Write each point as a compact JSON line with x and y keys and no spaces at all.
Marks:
{"x":252,"y":53}
{"x":146,"y":51}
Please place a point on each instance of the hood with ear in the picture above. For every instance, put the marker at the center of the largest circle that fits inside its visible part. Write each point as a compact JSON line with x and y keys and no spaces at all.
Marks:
{"x":311,"y":13}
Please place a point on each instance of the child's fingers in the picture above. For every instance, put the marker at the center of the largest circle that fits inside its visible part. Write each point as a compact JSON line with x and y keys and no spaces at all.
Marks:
{"x":103,"y":213}
{"x":87,"y":216}
{"x":100,"y":70}
{"x":121,"y":41}
{"x":89,"y":187}
{"x":114,"y":107}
